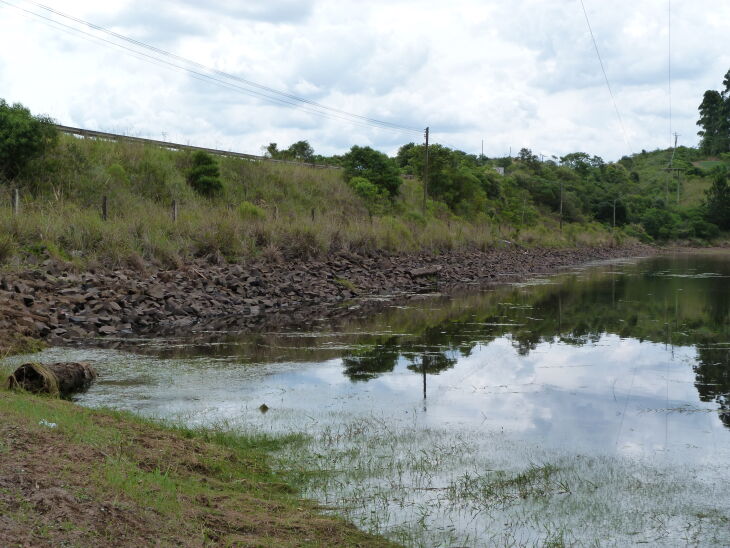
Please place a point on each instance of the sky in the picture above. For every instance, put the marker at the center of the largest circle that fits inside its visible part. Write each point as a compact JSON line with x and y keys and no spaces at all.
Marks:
{"x":515,"y":74}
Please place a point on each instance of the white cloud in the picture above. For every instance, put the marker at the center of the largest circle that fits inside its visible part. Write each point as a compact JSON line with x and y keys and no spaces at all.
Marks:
{"x":515,"y":74}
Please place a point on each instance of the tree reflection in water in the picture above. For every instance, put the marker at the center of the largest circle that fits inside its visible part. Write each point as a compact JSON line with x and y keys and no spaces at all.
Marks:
{"x":683,"y":301}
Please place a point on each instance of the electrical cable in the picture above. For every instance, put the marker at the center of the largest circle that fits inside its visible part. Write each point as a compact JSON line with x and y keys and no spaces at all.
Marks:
{"x":605,"y":76}
{"x":669,"y":68}
{"x":291,"y":100}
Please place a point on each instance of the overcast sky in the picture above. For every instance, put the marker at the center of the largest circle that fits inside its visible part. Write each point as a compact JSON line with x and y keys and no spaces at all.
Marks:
{"x":519,"y":73}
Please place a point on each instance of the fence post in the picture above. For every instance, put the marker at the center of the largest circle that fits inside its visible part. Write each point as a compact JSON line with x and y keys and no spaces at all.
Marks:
{"x":16,"y":202}
{"x":174,"y":211}
{"x":104,"y":209}
{"x":312,"y":214}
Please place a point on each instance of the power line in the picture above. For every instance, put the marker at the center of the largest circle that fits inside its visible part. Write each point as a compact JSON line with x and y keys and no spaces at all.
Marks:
{"x":266,"y":93}
{"x":605,"y":76}
{"x":669,"y":66}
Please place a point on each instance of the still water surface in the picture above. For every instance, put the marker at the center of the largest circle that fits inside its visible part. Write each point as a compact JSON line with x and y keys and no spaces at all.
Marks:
{"x":590,"y":408}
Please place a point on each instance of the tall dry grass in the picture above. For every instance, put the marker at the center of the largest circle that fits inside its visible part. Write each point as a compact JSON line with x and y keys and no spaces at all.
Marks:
{"x":280,"y":211}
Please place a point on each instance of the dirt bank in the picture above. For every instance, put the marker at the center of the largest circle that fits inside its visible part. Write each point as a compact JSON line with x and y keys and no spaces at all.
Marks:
{"x":59,"y":306}
{"x":75,"y":477}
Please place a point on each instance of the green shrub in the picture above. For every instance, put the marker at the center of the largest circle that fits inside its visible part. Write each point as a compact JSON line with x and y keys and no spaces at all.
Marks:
{"x":717,"y":202}
{"x":248,"y":211}
{"x":374,"y":166}
{"x":415,"y":217}
{"x":637,"y":231}
{"x":703,"y":229}
{"x":204,"y":176}
{"x":375,"y":197}
{"x":117,"y":174}
{"x":660,"y":224}
{"x":22,"y":138}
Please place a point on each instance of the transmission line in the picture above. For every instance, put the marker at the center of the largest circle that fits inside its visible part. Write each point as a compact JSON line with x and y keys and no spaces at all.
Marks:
{"x":669,"y":66}
{"x":605,"y":76}
{"x":266,"y":93}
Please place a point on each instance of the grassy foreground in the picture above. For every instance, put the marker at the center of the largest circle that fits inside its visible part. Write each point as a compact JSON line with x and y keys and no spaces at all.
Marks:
{"x":71,"y":476}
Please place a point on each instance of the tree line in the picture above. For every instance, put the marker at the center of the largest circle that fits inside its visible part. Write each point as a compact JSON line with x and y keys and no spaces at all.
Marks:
{"x":635,"y":194}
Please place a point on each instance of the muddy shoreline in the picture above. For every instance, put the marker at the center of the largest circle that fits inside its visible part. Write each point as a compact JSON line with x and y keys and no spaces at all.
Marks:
{"x":61,"y":307}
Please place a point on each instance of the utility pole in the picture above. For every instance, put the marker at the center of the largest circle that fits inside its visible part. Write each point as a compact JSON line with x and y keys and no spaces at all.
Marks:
{"x":425,"y":176}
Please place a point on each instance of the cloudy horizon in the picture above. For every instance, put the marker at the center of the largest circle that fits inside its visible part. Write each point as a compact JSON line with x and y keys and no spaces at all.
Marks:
{"x":519,"y":75}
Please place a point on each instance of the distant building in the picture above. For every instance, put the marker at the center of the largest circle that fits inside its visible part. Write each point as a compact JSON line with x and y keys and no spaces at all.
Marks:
{"x":499,"y":170}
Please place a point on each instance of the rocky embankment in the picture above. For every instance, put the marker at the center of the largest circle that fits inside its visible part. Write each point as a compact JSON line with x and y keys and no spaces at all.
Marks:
{"x":61,"y":307}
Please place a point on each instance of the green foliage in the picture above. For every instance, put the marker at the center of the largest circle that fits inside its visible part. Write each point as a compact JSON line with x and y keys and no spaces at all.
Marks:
{"x":374,"y":166}
{"x":249,"y":211}
{"x":22,"y":138}
{"x":660,"y":224}
{"x":455,"y":178}
{"x":715,"y":119}
{"x":375,"y":197}
{"x":717,"y":203}
{"x":117,"y":174}
{"x":404,"y":157}
{"x":301,"y":151}
{"x":204,"y":176}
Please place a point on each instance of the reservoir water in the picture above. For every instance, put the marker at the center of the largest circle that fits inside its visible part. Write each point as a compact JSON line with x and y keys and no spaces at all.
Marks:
{"x":591,"y":408}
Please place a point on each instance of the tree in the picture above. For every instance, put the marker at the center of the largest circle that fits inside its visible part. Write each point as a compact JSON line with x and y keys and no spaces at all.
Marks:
{"x":22,"y":138}
{"x":717,"y":200}
{"x":659,"y":223}
{"x":272,"y":151}
{"x":301,"y":150}
{"x":374,"y":166}
{"x":528,"y":158}
{"x":578,"y":161}
{"x":713,"y":120}
{"x":404,"y":155}
{"x":204,"y":176}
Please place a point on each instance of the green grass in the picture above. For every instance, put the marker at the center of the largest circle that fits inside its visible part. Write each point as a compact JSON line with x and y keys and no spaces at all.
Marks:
{"x":710,"y":164}
{"x":180,"y":485}
{"x":437,"y":487}
{"x":19,"y":344}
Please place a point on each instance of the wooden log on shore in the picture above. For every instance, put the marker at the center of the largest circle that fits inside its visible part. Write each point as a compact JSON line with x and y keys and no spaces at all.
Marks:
{"x":56,"y":379}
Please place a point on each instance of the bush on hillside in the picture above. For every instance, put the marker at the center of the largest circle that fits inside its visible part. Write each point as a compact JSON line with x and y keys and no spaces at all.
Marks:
{"x":204,"y":176}
{"x":374,"y":166}
{"x":22,"y":138}
{"x":660,"y":224}
{"x":375,"y":197}
{"x":248,"y":211}
{"x":717,"y":202}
